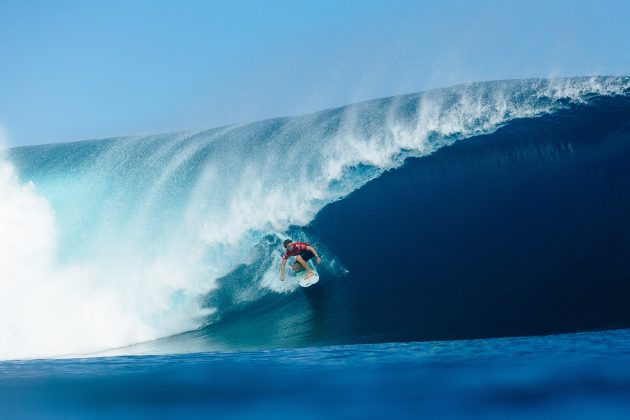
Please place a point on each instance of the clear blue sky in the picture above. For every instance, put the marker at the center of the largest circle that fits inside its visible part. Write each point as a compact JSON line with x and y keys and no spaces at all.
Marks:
{"x":73,"y":70}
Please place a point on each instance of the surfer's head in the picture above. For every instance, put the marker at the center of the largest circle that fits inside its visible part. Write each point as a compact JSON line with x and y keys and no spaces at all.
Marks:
{"x":287,"y":242}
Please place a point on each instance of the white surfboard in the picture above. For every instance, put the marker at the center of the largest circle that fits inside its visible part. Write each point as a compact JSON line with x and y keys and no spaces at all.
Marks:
{"x":306,"y":282}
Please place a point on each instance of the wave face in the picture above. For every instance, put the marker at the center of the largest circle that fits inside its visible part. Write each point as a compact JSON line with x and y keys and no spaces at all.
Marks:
{"x":517,"y":227}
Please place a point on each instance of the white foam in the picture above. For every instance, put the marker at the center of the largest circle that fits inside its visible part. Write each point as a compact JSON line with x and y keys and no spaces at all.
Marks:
{"x":48,"y":308}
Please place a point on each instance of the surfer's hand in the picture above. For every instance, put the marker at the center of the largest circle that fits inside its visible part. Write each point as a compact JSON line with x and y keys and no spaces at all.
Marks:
{"x":281,"y":278}
{"x":319,"y":260}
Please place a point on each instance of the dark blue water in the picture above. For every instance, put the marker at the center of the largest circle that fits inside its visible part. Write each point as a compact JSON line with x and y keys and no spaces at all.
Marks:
{"x":585,"y":375}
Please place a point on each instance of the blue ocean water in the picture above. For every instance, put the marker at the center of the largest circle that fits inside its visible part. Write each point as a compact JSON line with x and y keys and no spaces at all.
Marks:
{"x":581,"y":376}
{"x":140,"y":275}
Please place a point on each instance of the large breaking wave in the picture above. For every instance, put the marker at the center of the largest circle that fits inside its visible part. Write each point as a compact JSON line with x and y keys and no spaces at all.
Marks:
{"x":118,"y":241}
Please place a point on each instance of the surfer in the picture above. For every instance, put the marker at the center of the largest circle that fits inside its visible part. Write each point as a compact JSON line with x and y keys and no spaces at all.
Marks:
{"x":302,"y":251}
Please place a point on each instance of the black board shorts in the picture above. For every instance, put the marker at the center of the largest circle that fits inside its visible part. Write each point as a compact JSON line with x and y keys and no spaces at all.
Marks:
{"x":306,"y":255}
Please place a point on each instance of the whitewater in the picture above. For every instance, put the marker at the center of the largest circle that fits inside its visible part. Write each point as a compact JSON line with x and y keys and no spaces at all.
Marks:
{"x":112,"y":242}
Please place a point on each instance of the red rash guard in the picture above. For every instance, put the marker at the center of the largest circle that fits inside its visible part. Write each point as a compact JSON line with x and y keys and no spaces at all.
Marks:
{"x":297,"y":248}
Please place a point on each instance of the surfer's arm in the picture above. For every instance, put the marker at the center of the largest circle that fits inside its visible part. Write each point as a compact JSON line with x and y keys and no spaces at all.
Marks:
{"x":310,"y":248}
{"x":282,"y":266}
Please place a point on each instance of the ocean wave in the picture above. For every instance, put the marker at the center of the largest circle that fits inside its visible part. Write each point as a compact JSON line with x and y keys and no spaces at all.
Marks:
{"x":140,"y":235}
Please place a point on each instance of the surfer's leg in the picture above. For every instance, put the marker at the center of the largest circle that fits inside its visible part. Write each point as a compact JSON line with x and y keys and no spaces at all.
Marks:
{"x":303,"y":263}
{"x":296,"y":267}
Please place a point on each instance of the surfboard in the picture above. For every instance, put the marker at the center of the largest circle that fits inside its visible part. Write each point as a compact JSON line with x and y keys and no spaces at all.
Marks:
{"x":306,"y":282}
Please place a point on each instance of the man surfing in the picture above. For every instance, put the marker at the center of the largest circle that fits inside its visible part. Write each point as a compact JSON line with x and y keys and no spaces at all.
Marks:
{"x":302,"y":252}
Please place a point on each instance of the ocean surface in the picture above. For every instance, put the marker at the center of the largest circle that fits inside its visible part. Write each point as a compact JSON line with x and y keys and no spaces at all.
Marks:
{"x":141,"y":274}
{"x":577,"y":376}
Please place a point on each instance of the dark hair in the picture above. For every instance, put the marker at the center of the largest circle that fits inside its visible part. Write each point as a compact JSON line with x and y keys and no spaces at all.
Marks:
{"x":287,"y":242}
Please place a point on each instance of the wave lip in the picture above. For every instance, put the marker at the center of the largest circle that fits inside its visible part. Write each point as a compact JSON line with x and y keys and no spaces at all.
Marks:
{"x":146,"y":226}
